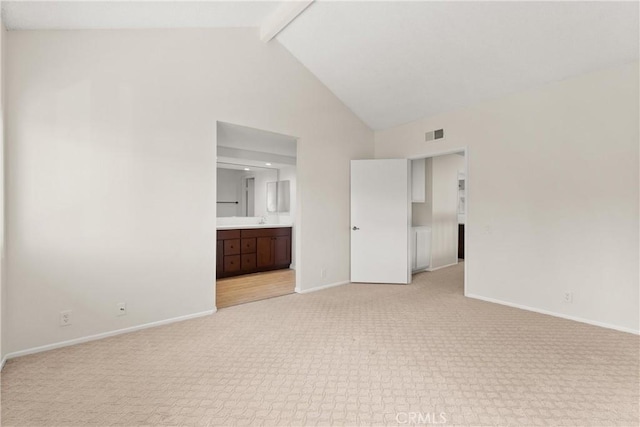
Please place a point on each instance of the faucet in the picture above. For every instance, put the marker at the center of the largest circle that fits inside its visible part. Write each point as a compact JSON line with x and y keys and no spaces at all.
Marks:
{"x":263,"y":220}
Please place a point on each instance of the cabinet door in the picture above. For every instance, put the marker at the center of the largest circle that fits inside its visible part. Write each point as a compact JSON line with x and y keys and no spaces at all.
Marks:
{"x":220,"y":257}
{"x":282,"y":250}
{"x":418,"y":182}
{"x":264,"y":252}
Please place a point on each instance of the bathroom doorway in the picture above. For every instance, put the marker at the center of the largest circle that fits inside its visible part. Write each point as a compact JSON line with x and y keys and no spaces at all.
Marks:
{"x":256,"y":198}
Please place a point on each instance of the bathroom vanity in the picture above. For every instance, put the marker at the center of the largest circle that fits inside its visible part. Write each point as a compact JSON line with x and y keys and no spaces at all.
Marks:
{"x":252,"y":249}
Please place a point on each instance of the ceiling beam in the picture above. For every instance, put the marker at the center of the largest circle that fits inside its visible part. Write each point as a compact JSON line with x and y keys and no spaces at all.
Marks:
{"x":281,"y":17}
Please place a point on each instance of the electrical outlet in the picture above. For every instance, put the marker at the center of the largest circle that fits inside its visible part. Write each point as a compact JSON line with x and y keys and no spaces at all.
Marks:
{"x":568,"y":297}
{"x":65,"y":318}
{"x":323,"y":273}
{"x":121,"y":309}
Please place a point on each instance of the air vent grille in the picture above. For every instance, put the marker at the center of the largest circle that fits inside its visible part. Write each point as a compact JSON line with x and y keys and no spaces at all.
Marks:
{"x":434,"y":134}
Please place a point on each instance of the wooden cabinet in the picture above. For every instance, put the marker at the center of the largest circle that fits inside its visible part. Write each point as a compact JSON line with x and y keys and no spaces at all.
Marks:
{"x":282,"y":250}
{"x":418,"y":181}
{"x":220,"y":256}
{"x":252,"y":250}
{"x":265,"y":252}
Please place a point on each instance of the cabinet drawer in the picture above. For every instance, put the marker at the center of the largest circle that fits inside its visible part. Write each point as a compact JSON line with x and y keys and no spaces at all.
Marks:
{"x":266,"y":232}
{"x":232,"y":247}
{"x":248,"y":261}
{"x":248,"y":246}
{"x":231,"y":263}
{"x":228,"y":234}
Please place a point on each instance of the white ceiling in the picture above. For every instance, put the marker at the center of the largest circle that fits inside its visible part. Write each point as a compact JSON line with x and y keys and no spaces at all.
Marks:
{"x":63,"y":15}
{"x":393,"y":62}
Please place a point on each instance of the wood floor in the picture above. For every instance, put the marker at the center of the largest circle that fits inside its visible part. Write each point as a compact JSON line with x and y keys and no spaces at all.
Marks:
{"x":254,"y":287}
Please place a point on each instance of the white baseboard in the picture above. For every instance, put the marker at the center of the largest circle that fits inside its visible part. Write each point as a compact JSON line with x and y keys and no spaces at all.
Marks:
{"x":4,"y":360}
{"x":321,"y":288}
{"x":553,"y":313}
{"x":104,"y":335}
{"x":442,"y":266}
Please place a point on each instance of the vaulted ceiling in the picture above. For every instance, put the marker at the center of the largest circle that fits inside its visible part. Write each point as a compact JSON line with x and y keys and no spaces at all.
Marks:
{"x":392,"y":62}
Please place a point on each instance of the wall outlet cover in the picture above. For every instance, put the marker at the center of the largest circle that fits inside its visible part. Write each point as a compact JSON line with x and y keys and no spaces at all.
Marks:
{"x":65,"y":318}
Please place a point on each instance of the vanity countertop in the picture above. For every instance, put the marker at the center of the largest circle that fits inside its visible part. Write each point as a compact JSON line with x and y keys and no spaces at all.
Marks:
{"x":246,"y":226}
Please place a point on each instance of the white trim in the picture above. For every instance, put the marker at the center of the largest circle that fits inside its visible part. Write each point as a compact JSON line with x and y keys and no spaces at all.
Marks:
{"x":105,"y":335}
{"x":437,"y":153}
{"x":285,"y":14}
{"x":4,"y":360}
{"x":442,"y":266}
{"x":553,"y":313}
{"x":321,"y":288}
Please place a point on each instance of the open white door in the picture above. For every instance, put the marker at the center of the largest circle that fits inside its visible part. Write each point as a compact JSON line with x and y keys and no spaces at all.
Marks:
{"x":380,"y":220}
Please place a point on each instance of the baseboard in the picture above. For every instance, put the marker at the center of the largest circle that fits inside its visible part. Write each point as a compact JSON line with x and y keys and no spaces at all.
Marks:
{"x":443,"y":266}
{"x":4,"y":360}
{"x":105,"y":335}
{"x":321,"y":288}
{"x":553,"y":313}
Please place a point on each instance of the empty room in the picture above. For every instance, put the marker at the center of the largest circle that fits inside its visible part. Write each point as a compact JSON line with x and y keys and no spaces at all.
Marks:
{"x":302,"y":213}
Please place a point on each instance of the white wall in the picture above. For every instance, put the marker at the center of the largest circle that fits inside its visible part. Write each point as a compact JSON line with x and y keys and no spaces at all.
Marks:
{"x":111,"y":170}
{"x":288,"y":173}
{"x":444,"y":207}
{"x":3,"y":288}
{"x":552,"y":194}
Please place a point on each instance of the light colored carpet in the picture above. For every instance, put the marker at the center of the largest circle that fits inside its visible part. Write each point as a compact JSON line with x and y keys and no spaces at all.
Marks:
{"x":352,"y":355}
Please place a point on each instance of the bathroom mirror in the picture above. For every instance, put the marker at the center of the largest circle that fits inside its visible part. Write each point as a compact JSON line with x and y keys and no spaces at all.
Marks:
{"x":278,"y":196}
{"x":242,"y":189}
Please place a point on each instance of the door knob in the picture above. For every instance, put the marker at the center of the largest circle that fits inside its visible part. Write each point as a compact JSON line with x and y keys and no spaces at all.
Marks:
{"x":355,"y":228}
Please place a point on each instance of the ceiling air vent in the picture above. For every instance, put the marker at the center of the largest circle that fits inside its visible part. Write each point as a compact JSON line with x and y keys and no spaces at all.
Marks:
{"x":434,"y":134}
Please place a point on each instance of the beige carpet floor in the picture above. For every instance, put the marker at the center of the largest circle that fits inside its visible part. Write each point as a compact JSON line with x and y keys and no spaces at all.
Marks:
{"x":352,"y":355}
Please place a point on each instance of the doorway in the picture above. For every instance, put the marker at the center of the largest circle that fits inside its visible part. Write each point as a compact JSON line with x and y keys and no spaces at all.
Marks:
{"x":416,"y":212}
{"x":256,"y":214}
{"x":438,"y":217}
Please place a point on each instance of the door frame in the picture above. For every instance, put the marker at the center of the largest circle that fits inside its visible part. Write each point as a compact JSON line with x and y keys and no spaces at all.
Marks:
{"x":245,"y":192}
{"x":296,"y":232}
{"x":443,"y":152}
